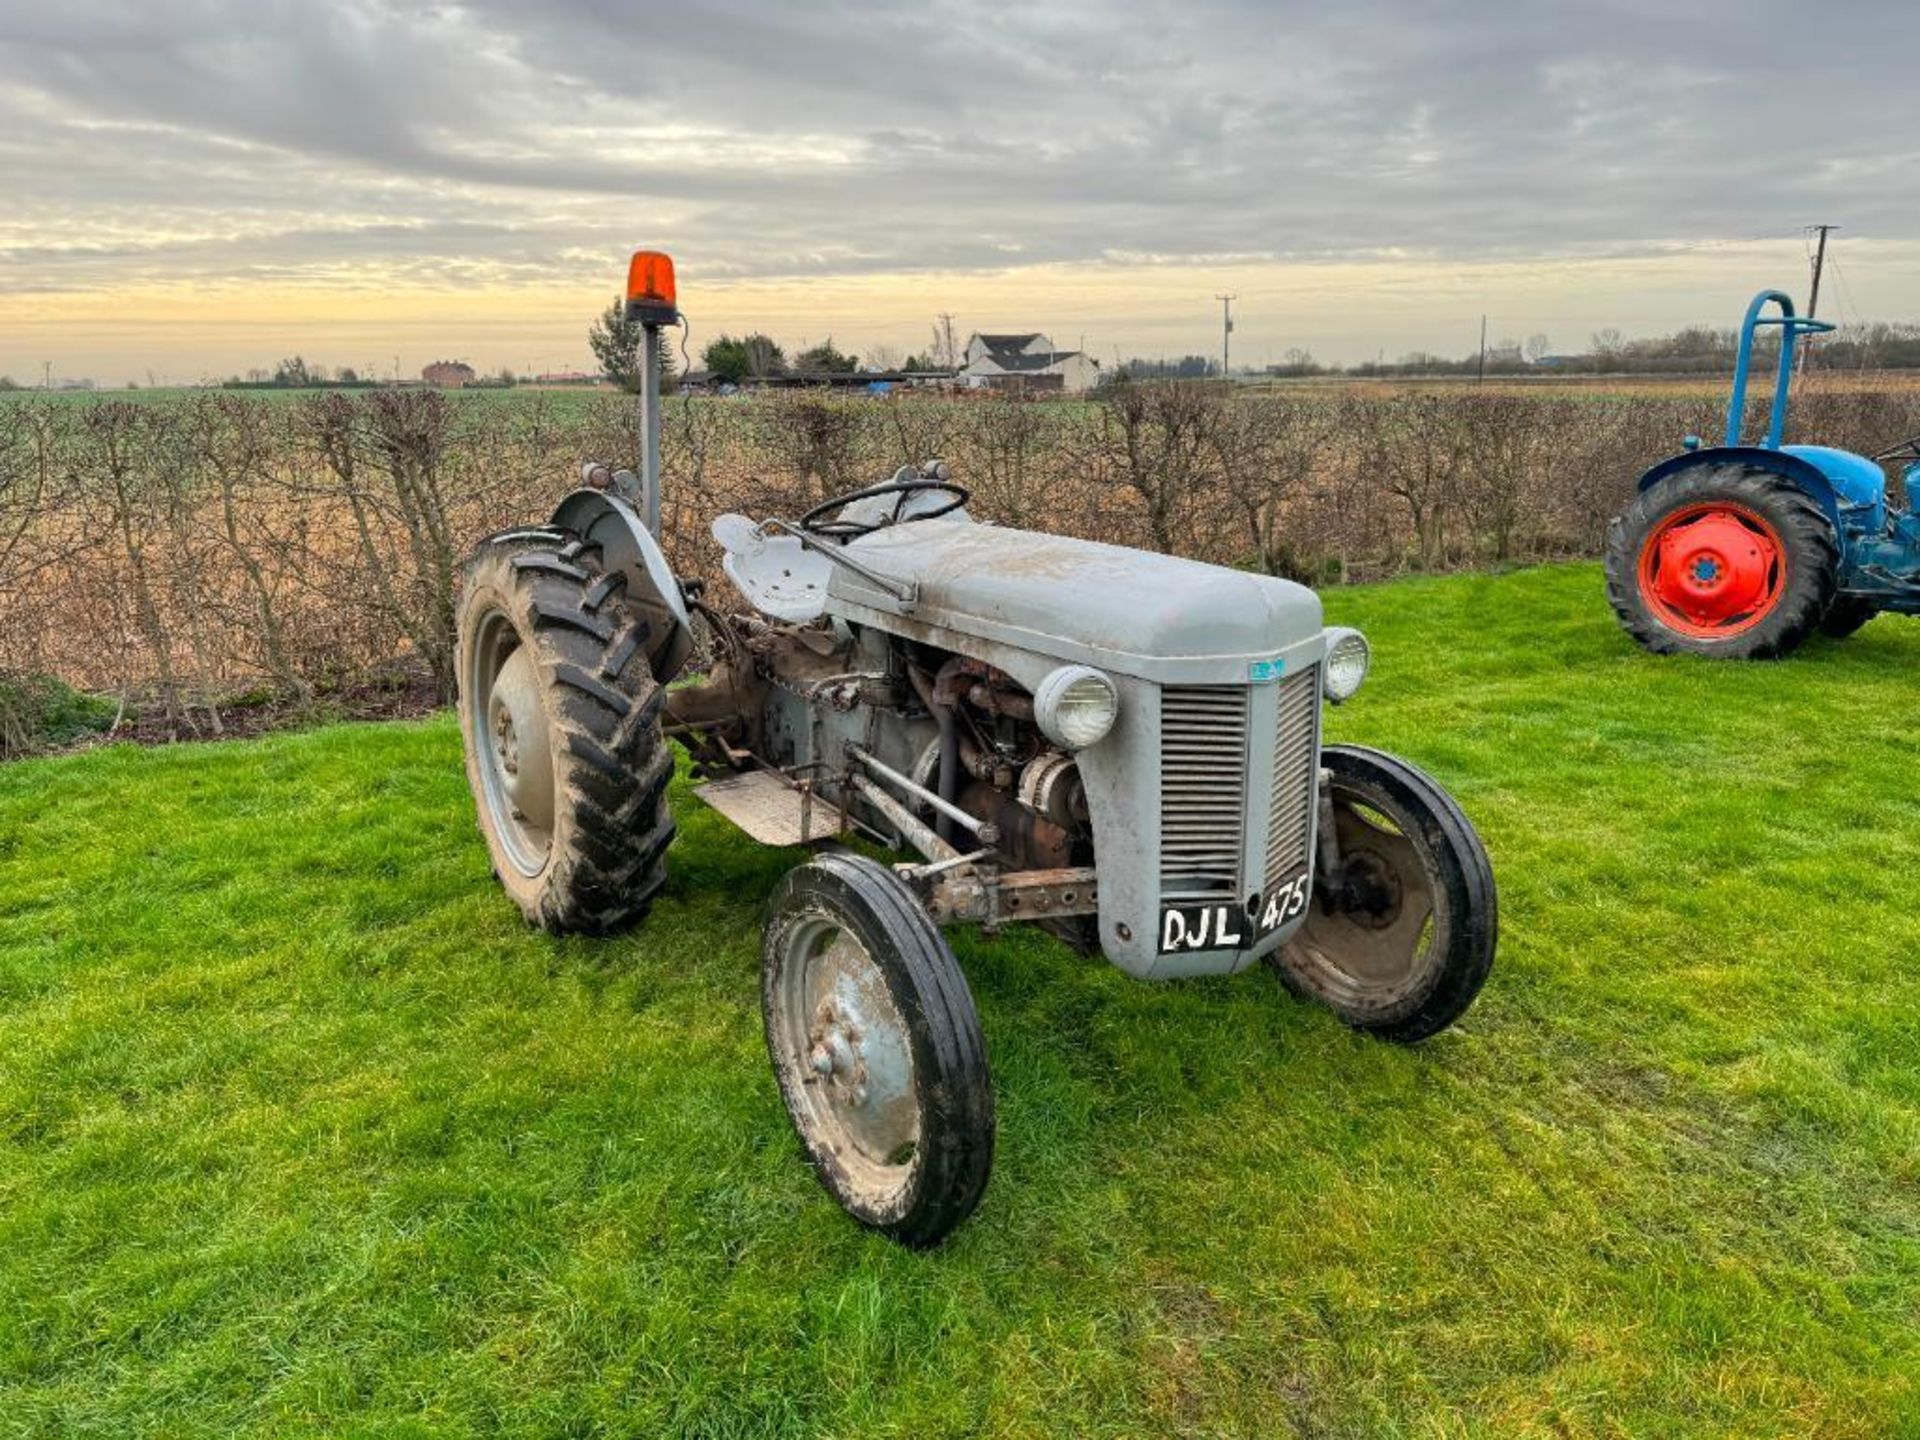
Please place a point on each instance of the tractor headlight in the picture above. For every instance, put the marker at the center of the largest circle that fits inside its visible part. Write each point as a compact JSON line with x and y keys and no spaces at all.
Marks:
{"x":1075,"y":706}
{"x":1346,"y":665}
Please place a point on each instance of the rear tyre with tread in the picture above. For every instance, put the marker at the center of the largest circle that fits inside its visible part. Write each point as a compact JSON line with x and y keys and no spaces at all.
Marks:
{"x":1724,"y":562}
{"x":560,"y":716}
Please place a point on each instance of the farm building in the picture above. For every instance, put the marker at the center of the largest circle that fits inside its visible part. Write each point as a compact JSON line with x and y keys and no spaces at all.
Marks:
{"x":1005,"y":362}
{"x":448,"y":374}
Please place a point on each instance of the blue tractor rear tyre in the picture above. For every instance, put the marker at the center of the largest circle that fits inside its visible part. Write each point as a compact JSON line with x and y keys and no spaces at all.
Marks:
{"x":1673,"y":555}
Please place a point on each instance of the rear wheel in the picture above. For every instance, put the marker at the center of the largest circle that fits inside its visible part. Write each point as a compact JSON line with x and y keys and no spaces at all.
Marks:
{"x":1720,"y":561}
{"x":877,"y":1048}
{"x":1399,"y":942}
{"x":561,"y":720}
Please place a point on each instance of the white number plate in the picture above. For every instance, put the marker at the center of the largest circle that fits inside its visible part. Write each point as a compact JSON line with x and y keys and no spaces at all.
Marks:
{"x":1228,"y":926}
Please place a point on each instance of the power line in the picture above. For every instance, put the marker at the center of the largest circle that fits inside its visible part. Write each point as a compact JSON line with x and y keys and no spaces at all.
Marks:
{"x":1849,"y":304}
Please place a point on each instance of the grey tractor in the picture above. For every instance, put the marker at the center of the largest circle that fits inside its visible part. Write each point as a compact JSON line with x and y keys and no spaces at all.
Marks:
{"x":1121,"y":746}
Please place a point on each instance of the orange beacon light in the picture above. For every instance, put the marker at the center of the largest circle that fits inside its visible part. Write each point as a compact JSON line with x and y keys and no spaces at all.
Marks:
{"x":650,"y":291}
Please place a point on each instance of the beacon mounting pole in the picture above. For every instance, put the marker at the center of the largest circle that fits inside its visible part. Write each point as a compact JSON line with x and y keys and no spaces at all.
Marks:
{"x":651,"y":301}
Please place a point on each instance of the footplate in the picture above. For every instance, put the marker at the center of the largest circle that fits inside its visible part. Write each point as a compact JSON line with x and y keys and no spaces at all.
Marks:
{"x":771,"y":810}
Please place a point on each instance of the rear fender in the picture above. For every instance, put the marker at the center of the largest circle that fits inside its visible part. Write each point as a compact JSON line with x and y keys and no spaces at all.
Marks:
{"x":627,"y":548}
{"x":1803,"y":473}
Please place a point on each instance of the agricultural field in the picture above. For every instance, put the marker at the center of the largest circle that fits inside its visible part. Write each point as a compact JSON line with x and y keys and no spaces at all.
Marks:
{"x":305,"y":1133}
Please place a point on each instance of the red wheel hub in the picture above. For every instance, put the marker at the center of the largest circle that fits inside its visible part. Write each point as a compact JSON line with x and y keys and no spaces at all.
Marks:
{"x":1712,"y":570}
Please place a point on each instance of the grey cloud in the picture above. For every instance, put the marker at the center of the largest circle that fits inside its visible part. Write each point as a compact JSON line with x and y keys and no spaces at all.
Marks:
{"x":940,"y":135}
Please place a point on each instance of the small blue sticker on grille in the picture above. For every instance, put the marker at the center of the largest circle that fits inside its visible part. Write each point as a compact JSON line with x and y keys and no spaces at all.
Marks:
{"x":1260,"y":672}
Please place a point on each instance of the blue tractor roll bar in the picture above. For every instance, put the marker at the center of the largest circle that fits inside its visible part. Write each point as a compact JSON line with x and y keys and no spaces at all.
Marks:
{"x":1791,"y":329}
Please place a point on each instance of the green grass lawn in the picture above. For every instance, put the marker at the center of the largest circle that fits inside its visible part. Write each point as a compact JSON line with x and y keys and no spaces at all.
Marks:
{"x":302,"y":1132}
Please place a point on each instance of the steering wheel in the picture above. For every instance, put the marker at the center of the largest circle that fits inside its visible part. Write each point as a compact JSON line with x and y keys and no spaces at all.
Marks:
{"x":815,"y":521}
{"x":1908,"y":449}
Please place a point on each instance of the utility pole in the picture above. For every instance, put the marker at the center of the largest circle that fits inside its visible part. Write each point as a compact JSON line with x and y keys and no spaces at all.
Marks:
{"x":1819,"y":263}
{"x":1813,"y":291}
{"x":1226,"y":334}
{"x":948,"y":359}
{"x":48,"y":368}
{"x":1481,"y":377}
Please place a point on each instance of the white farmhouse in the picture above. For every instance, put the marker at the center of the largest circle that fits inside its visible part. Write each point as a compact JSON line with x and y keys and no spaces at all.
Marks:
{"x":1010,"y":362}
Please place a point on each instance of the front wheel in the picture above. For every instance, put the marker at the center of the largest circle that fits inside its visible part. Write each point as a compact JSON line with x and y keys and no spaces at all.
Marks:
{"x":1400,"y":940}
{"x":1846,"y":615}
{"x":1722,"y":561}
{"x":877,"y":1048}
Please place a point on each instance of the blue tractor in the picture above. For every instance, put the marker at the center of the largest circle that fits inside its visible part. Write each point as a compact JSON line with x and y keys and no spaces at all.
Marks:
{"x":1741,"y":551}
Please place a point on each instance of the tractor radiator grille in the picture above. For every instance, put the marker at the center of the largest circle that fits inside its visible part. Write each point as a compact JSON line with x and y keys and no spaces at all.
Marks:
{"x":1203,"y":787}
{"x":1295,"y":786}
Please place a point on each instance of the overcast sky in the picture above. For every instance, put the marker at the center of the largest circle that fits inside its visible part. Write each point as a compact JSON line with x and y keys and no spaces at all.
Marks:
{"x":202,"y":185}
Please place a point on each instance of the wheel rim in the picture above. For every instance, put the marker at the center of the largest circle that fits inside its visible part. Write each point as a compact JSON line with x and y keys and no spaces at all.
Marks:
{"x":1371,"y":956}
{"x":1712,"y":570}
{"x":848,"y":1049}
{"x":512,"y":742}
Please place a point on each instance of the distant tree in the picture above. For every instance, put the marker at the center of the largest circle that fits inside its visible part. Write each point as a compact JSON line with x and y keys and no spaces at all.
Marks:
{"x":750,"y":357}
{"x":1295,"y":362}
{"x":1187,"y":367}
{"x":349,"y":376}
{"x":616,"y":344}
{"x":920,"y":362}
{"x":1537,"y":348}
{"x":295,"y":374}
{"x":726,"y":360}
{"x":883,"y":357}
{"x":7,"y":382}
{"x":943,"y":350}
{"x":825,"y":359}
{"x":764,"y":355}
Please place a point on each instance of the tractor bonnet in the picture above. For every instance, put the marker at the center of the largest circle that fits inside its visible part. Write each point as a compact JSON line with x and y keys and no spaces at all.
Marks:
{"x":1125,"y":610}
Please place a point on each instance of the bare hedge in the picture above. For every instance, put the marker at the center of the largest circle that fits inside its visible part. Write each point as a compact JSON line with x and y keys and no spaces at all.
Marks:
{"x":185,"y":550}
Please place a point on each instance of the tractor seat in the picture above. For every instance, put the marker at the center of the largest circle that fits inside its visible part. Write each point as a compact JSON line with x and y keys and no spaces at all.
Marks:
{"x":778,"y":575}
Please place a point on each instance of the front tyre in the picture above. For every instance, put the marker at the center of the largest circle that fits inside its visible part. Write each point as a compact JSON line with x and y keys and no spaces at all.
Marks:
{"x":1399,"y":942}
{"x":877,"y":1048}
{"x":1724,"y":562}
{"x":1846,"y":615}
{"x":560,"y":716}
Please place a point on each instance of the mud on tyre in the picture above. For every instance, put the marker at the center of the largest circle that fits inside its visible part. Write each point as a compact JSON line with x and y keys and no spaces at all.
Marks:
{"x":561,"y":718}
